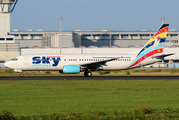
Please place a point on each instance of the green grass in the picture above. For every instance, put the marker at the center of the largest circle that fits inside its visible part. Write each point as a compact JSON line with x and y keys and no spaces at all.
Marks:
{"x":24,"y":98}
{"x":8,"y":71}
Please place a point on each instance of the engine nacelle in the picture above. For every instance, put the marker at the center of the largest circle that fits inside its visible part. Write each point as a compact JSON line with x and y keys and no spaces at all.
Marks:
{"x":70,"y":69}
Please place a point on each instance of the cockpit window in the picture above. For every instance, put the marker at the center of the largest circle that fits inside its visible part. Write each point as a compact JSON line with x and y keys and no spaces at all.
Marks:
{"x":14,"y":59}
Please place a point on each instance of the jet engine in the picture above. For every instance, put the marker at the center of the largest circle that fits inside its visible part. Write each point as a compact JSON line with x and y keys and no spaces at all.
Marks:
{"x":70,"y":69}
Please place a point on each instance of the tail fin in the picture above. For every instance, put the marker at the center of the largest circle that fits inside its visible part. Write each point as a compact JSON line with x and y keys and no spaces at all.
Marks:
{"x":157,"y":41}
{"x":154,"y":45}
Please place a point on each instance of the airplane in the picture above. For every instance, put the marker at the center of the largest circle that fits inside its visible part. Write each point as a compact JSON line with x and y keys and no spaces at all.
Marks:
{"x":152,"y":52}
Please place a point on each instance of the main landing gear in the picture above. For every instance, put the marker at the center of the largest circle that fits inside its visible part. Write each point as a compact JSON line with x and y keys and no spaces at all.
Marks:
{"x":87,"y":74}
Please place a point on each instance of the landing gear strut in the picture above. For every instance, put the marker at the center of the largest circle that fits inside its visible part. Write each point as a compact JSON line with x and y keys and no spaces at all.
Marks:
{"x":87,"y":74}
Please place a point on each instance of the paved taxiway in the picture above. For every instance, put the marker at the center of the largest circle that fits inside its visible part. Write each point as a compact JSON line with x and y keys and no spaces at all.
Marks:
{"x":92,"y":78}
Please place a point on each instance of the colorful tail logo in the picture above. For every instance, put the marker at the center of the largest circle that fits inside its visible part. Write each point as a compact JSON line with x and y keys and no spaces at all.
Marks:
{"x":154,"y":45}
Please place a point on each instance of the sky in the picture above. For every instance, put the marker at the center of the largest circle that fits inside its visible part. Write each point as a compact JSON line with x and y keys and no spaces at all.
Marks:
{"x":94,"y":14}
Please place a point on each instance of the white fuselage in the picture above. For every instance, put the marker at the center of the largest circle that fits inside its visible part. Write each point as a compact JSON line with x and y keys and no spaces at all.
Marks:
{"x":57,"y":61}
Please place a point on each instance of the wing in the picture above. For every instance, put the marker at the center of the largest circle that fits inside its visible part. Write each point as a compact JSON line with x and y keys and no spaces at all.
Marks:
{"x":97,"y":64}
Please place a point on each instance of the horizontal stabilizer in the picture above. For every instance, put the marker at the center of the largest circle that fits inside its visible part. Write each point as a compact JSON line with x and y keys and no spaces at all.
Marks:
{"x":162,"y":56}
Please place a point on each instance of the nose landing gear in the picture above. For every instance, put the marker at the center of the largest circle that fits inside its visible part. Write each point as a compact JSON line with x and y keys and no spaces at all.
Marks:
{"x":21,"y":75}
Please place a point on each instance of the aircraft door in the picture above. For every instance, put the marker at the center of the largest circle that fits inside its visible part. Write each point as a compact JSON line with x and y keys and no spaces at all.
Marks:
{"x":25,"y":60}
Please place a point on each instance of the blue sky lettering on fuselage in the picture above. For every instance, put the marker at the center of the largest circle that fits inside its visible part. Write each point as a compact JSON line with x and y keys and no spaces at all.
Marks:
{"x":46,"y":60}
{"x":56,"y":61}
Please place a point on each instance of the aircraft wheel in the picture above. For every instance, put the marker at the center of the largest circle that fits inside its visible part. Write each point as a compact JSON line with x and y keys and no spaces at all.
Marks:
{"x":21,"y":75}
{"x":87,"y":74}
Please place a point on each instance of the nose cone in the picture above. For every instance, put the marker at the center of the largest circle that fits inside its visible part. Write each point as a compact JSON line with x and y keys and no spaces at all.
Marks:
{"x":7,"y":64}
